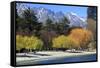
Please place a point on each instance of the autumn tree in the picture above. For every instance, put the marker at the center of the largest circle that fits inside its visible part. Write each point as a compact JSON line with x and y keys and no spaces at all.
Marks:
{"x":92,"y":27}
{"x":66,"y":42}
{"x":91,"y":20}
{"x":59,"y":42}
{"x":19,"y":44}
{"x":28,"y":42}
{"x":82,"y":36}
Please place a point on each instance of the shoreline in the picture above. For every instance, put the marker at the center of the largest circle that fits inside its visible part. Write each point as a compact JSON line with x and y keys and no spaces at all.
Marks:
{"x":52,"y":55}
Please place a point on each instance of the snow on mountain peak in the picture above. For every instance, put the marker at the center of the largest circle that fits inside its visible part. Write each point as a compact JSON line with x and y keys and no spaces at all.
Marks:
{"x":75,"y":20}
{"x":43,"y":14}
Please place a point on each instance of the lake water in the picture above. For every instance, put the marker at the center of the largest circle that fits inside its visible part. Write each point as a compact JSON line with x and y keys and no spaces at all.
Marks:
{"x":82,"y":58}
{"x":91,"y":57}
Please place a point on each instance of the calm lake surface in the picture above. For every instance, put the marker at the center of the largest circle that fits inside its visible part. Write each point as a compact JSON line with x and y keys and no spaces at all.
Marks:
{"x":91,"y":57}
{"x":83,"y":58}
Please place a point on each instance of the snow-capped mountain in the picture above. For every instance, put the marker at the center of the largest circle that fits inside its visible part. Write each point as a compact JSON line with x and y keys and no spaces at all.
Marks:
{"x":43,"y":14}
{"x":75,"y":20}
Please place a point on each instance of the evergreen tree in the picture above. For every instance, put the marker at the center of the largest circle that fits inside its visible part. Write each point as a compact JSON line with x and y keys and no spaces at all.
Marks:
{"x":92,"y":12}
{"x":28,"y":23}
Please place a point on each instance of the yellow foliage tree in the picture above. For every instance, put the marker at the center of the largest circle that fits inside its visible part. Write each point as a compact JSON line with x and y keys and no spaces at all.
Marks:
{"x":26,"y":42}
{"x":59,"y":42}
{"x":19,"y":44}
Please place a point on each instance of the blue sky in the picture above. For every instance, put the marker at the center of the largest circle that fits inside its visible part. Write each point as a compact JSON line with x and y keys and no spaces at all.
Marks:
{"x":81,"y":11}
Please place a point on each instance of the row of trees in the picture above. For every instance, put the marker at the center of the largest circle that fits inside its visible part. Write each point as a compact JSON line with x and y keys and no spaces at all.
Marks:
{"x":77,"y":39}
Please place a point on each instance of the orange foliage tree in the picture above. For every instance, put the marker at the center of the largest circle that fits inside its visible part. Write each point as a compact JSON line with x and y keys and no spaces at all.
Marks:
{"x":81,"y":36}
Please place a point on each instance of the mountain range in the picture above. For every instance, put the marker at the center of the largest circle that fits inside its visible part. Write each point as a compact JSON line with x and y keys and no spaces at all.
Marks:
{"x":43,"y":14}
{"x":56,"y":17}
